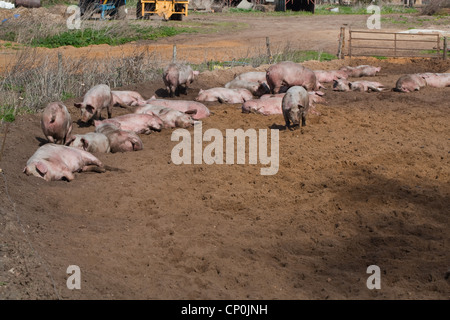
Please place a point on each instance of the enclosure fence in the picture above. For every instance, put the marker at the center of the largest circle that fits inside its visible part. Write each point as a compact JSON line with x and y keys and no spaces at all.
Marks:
{"x":395,"y":44}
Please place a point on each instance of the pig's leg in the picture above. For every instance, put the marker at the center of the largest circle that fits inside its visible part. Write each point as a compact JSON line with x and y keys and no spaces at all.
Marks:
{"x":93,"y":168}
{"x":286,"y":119}
{"x":303,"y":119}
{"x":50,"y":139}
{"x":109,"y":108}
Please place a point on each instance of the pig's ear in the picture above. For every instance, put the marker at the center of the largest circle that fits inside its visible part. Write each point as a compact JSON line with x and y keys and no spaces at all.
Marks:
{"x":69,"y":141}
{"x":85,"y":143}
{"x":152,"y":98}
{"x":41,"y":168}
{"x":196,"y":73}
{"x":78,"y":105}
{"x":193,"y":111}
{"x":97,"y":123}
{"x":200,"y":91}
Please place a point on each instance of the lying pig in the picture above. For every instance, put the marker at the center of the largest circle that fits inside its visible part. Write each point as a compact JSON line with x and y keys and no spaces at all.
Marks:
{"x":170,"y":117}
{"x":138,"y":123}
{"x":362,"y":86}
{"x":290,"y":74}
{"x":252,"y":76}
{"x":56,"y":162}
{"x":56,"y":122}
{"x":409,"y":83}
{"x":95,"y":100}
{"x":361,"y":71}
{"x":201,"y":111}
{"x":119,"y":140}
{"x":224,"y":95}
{"x":330,"y":75}
{"x":256,"y":88}
{"x":177,"y":75}
{"x":295,"y":105}
{"x":265,"y":106}
{"x":90,"y":142}
{"x":437,"y":80}
{"x":126,"y":98}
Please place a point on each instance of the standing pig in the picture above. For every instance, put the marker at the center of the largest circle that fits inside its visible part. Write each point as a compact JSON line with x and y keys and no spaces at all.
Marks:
{"x":409,"y":83}
{"x":170,"y":117}
{"x":56,"y":162}
{"x":138,"y":123}
{"x":199,"y":110}
{"x":290,"y":74}
{"x":119,"y":140}
{"x":95,"y":100}
{"x":224,"y":95}
{"x":90,"y":142}
{"x":56,"y":122}
{"x":177,"y":75}
{"x":295,"y":105}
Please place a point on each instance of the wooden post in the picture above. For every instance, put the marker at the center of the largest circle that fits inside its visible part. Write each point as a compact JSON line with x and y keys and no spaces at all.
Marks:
{"x":269,"y":53}
{"x":445,"y":48}
{"x":350,"y":42}
{"x":438,"y":51}
{"x":341,"y":43}
{"x":174,"y":54}
{"x":395,"y":45}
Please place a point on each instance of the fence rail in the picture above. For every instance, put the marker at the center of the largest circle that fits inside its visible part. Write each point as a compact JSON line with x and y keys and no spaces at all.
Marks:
{"x":395,"y":44}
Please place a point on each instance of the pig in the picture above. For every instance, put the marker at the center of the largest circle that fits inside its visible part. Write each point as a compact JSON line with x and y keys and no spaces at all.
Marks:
{"x":409,"y":83}
{"x":224,"y":95}
{"x":95,"y":100}
{"x":126,"y":98}
{"x":57,"y":162}
{"x":252,"y":76}
{"x":91,"y":142}
{"x":295,"y":105}
{"x":361,"y":71}
{"x":138,"y":123}
{"x":290,"y":74}
{"x":177,"y":75}
{"x":265,"y":106}
{"x":119,"y":140}
{"x":256,"y":88}
{"x":201,"y":111}
{"x":170,"y":117}
{"x":362,"y":86}
{"x":56,"y":122}
{"x":437,"y":80}
{"x":330,"y":75}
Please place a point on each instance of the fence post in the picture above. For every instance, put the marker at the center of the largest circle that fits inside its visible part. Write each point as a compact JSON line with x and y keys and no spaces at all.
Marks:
{"x":174,"y":54}
{"x":341,"y":43}
{"x":438,"y":45}
{"x":269,"y":53}
{"x":445,"y":48}
{"x":395,"y":45}
{"x":350,"y":42}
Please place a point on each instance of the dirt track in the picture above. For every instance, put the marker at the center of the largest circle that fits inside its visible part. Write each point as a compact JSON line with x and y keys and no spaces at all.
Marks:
{"x":365,"y":183}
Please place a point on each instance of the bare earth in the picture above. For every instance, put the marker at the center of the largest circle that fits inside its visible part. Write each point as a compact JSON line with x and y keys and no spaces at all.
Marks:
{"x":365,"y":183}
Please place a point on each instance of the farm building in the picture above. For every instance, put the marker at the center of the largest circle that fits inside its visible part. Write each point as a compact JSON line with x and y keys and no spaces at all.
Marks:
{"x":295,"y":5}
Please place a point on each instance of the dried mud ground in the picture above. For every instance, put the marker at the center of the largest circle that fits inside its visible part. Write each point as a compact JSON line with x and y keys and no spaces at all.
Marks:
{"x":365,"y":183}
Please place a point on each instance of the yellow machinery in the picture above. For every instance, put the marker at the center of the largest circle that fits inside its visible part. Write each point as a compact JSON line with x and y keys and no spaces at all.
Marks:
{"x":167,"y":9}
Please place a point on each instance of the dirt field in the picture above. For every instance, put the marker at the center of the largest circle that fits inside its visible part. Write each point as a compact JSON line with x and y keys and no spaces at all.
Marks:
{"x":365,"y":183}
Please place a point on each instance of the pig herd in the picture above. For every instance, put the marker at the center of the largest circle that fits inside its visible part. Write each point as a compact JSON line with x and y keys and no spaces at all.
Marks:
{"x":285,"y":88}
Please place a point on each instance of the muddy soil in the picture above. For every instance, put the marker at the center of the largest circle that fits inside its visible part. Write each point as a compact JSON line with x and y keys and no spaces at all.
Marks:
{"x":364,"y":183}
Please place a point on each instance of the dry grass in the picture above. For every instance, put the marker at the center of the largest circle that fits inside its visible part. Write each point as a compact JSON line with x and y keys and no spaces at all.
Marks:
{"x":436,"y":7}
{"x":40,"y":78}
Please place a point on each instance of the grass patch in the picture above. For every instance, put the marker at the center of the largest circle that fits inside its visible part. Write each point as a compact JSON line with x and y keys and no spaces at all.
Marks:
{"x":86,"y":37}
{"x":380,"y":57}
{"x":7,"y":113}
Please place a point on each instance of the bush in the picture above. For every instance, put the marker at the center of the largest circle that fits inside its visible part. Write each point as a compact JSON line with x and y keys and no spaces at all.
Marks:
{"x":436,"y":7}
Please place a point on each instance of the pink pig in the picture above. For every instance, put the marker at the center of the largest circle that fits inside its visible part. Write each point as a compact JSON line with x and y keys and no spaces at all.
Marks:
{"x":56,"y":123}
